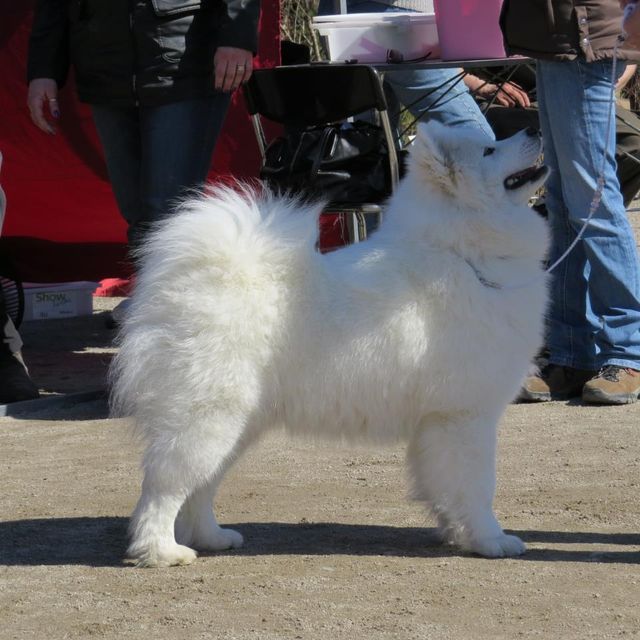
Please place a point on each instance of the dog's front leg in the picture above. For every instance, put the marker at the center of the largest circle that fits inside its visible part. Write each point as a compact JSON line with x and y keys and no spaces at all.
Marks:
{"x":453,"y":467}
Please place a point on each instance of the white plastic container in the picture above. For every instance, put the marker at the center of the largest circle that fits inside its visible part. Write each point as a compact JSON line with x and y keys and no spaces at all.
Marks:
{"x":369,"y":37}
{"x":58,"y":300}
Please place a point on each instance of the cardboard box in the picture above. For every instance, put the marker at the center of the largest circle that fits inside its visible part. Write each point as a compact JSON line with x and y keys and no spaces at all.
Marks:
{"x":58,"y":300}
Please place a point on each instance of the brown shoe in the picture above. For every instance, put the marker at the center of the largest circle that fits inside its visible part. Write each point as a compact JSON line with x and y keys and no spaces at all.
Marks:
{"x":613,"y":385}
{"x":554,"y":382}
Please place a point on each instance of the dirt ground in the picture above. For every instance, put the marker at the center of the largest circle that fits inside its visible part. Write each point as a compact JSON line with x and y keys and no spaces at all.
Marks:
{"x":333,"y":548}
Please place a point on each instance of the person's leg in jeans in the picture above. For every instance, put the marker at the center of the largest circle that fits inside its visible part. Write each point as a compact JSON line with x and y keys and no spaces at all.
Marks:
{"x":178,"y":140}
{"x":119,"y":133}
{"x":437,"y":94}
{"x":595,"y":292}
{"x":155,"y":154}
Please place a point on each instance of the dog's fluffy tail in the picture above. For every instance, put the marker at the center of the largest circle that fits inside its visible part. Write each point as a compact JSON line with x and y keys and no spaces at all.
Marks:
{"x":234,"y":229}
{"x":217,"y":268}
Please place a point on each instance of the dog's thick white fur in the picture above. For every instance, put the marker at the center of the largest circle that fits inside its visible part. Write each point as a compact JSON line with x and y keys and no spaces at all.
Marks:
{"x":422,"y":333}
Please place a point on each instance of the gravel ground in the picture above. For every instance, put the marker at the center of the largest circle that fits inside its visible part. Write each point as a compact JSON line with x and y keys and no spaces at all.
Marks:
{"x":333,"y":548}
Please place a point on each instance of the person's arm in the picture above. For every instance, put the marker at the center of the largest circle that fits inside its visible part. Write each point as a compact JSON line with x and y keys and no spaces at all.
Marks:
{"x":48,"y":61}
{"x":238,"y":43}
{"x":509,"y":94}
{"x":631,"y":25}
{"x":48,"y":43}
{"x":626,"y":76}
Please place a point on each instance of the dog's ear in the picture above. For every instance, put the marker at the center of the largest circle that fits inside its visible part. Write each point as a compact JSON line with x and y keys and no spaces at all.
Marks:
{"x":431,"y":156}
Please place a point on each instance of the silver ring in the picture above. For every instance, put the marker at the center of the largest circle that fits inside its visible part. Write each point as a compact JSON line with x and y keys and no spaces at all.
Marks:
{"x":241,"y":66}
{"x":53,"y":99}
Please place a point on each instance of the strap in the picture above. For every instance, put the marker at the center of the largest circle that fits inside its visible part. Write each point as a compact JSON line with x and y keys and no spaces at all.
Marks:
{"x":326,"y":139}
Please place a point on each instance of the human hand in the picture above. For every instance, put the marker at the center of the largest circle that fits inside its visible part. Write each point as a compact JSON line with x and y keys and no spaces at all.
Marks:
{"x":509,"y":94}
{"x":43,"y":91}
{"x":233,"y":67}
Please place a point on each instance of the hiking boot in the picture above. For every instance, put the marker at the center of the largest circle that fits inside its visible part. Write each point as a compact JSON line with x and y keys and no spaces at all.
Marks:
{"x":554,"y":382}
{"x":613,"y":385}
{"x":15,"y":383}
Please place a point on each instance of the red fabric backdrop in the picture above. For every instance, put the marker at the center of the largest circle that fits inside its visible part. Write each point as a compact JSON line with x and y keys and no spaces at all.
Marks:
{"x":62,"y":223}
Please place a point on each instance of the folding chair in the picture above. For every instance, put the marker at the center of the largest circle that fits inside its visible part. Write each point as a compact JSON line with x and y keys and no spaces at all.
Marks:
{"x":313,"y":95}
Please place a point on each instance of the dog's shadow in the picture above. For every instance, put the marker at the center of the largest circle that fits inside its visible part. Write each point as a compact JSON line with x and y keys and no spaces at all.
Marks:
{"x":101,"y":542}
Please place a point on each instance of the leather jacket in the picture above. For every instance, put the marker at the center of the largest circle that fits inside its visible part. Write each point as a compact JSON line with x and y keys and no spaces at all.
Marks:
{"x":127,"y":52}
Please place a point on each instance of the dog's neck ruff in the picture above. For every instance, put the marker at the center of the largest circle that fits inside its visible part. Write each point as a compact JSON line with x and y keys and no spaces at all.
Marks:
{"x":484,"y":281}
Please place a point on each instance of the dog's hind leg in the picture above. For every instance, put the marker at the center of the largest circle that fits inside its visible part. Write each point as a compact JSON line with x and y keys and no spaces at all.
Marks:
{"x":151,"y":526}
{"x":453,"y":468}
{"x":196,"y":524}
{"x":180,"y":476}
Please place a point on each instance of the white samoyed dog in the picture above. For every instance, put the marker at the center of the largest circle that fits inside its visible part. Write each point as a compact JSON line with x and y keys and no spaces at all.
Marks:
{"x":422,"y":333}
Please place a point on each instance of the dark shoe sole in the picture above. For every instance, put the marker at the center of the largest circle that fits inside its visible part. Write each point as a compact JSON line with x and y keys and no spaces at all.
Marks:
{"x":595,"y":396}
{"x":542,"y":396}
{"x":532,"y":396}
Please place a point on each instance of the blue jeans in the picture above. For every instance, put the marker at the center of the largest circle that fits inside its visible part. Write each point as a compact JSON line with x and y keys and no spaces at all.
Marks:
{"x":437,"y":94}
{"x":595,"y":291}
{"x":155,"y":154}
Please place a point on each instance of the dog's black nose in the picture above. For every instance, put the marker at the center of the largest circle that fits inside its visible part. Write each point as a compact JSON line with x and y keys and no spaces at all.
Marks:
{"x":532,"y":131}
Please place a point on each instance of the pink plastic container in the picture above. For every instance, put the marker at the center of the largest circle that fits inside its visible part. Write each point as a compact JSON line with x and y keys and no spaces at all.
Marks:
{"x":469,"y":29}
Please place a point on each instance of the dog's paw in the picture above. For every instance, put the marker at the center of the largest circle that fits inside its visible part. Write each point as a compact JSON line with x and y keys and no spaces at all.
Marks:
{"x":497,"y":547}
{"x":164,"y":556}
{"x":218,"y":539}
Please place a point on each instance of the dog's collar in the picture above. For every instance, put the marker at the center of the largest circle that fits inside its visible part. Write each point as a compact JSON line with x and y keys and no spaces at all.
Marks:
{"x":481,"y":278}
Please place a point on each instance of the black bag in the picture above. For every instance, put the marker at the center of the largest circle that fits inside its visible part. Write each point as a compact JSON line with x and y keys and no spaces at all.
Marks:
{"x":346,"y":162}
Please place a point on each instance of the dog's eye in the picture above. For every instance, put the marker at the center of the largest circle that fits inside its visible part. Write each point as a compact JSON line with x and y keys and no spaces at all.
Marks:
{"x":488,"y":151}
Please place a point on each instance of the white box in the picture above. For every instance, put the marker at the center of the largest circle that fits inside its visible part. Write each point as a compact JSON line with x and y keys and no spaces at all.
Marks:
{"x":368,"y":37}
{"x":58,"y":300}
